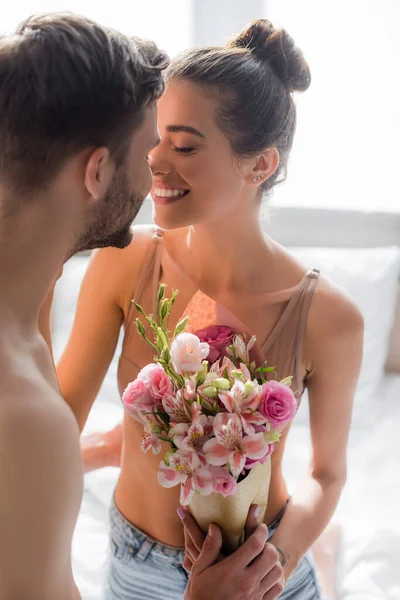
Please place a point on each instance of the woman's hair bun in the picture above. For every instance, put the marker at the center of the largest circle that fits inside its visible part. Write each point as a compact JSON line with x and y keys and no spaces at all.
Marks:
{"x":276,"y":47}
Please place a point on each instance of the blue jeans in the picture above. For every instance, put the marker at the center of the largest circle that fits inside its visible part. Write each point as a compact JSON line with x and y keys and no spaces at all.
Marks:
{"x":143,"y":569}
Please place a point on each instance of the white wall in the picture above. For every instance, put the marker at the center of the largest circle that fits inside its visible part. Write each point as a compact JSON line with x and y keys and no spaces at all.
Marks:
{"x":347,"y":146}
{"x":168,"y":23}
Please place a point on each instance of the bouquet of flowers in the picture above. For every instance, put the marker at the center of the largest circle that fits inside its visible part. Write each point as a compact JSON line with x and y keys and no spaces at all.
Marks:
{"x":207,"y":396}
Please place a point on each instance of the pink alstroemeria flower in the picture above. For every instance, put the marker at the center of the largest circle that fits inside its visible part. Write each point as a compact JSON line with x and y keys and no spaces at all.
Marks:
{"x":188,"y":469}
{"x":149,"y":438}
{"x":250,"y":462}
{"x":177,"y":408}
{"x":231,"y":446}
{"x":243,"y":399}
{"x":242,"y":350}
{"x":193,"y":437}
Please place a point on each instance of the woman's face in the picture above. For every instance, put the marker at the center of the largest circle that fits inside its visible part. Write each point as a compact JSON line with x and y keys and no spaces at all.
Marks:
{"x":196,"y":176}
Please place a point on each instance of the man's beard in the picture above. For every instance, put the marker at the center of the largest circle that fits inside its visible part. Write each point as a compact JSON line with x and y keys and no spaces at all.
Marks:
{"x":109,"y":221}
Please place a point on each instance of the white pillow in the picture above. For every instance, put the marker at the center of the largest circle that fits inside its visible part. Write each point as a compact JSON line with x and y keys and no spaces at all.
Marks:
{"x":370,"y":276}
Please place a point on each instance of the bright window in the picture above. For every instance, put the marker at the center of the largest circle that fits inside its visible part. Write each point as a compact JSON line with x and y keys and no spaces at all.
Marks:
{"x":346,"y":151}
{"x":167,"y":23}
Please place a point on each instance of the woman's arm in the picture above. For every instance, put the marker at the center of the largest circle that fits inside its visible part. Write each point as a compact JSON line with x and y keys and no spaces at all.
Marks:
{"x":91,"y":345}
{"x":105,"y":297}
{"x":334,"y":348}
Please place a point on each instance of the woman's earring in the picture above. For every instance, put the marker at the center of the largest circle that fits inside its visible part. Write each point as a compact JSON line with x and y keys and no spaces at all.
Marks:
{"x":258,"y":177}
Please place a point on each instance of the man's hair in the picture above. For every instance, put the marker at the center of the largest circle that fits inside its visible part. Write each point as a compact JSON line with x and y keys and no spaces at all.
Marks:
{"x":67,"y":84}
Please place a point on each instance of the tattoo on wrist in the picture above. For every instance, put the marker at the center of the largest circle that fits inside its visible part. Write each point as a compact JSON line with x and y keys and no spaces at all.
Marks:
{"x":282,"y":557}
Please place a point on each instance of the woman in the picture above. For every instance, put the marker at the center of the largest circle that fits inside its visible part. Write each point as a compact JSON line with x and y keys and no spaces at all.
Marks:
{"x":226,"y":122}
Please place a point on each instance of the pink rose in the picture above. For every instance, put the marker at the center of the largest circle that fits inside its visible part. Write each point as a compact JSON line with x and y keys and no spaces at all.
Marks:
{"x":137,"y":396}
{"x":157,"y":381}
{"x":223,"y":482}
{"x":218,"y":337}
{"x":188,"y":352}
{"x":278,"y":404}
{"x":251,"y":462}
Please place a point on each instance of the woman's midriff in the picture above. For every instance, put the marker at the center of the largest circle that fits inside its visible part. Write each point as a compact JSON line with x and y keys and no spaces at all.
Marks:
{"x":152,"y":508}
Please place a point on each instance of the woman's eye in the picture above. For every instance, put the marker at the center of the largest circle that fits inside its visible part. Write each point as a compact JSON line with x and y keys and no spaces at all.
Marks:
{"x":183,"y":149}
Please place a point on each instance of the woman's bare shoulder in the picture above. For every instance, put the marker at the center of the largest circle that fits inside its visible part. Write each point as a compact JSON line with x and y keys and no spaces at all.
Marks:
{"x":132,"y":256}
{"x":334,"y":322}
{"x":335,"y":329}
{"x":116,"y":270}
{"x":333,"y":310}
{"x":331,"y":307}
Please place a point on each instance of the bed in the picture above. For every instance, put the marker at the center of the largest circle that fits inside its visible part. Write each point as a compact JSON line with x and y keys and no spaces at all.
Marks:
{"x":361,"y":252}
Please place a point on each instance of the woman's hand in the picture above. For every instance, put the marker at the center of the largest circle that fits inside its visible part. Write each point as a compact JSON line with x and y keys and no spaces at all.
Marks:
{"x":102,"y":449}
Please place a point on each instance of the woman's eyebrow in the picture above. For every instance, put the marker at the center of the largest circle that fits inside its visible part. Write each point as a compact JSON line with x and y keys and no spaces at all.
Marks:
{"x":185,"y":128}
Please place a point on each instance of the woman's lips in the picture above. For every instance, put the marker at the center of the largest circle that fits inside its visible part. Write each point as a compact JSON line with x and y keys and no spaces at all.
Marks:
{"x":163,"y":195}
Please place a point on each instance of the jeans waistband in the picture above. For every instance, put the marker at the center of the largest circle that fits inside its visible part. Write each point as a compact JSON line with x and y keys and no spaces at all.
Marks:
{"x":133,"y":536}
{"x":275,"y":523}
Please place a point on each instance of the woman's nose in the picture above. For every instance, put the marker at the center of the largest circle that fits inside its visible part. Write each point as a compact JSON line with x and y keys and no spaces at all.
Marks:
{"x":159,"y":165}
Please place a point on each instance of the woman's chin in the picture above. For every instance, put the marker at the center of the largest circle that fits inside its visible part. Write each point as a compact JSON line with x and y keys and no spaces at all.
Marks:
{"x":170,"y":219}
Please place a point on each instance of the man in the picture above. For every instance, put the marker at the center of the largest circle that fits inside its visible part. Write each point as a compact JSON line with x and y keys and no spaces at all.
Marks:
{"x":77,"y":120}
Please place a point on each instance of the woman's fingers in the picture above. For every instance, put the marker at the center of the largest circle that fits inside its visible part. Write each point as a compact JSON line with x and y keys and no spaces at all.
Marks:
{"x":251,"y":522}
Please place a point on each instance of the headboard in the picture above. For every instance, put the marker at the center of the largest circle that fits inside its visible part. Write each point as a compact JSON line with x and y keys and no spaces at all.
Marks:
{"x":293,"y":226}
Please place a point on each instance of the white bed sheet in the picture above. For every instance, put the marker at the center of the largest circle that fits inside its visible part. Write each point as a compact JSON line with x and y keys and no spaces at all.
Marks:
{"x":368,"y":510}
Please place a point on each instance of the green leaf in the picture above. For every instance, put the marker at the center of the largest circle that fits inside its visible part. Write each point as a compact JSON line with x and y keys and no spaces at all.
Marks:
{"x":271,"y":437}
{"x":166,"y":457}
{"x":163,"y":416}
{"x":238,"y":375}
{"x":165,"y":439}
{"x":181,"y":326}
{"x":165,"y":355}
{"x":162,"y":338}
{"x":287,"y":381}
{"x":201,"y":375}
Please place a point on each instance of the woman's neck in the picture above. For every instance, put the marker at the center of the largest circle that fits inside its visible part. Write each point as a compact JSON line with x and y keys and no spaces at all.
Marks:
{"x":223,"y":255}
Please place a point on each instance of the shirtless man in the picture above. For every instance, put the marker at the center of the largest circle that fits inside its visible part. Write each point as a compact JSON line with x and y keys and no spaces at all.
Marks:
{"x":77,"y":120}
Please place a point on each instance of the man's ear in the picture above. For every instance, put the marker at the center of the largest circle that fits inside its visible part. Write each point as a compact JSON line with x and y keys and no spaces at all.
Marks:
{"x":99,"y":171}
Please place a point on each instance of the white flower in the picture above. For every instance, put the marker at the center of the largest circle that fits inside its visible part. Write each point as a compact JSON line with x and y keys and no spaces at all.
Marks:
{"x":187,"y":353}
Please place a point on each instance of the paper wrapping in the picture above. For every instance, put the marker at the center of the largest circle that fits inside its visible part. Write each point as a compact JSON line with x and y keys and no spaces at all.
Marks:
{"x":230,"y":513}
{"x":204,"y":312}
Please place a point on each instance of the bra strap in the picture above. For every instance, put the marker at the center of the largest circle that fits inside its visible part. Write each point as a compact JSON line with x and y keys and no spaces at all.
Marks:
{"x":313,"y":278}
{"x":150,"y":272}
